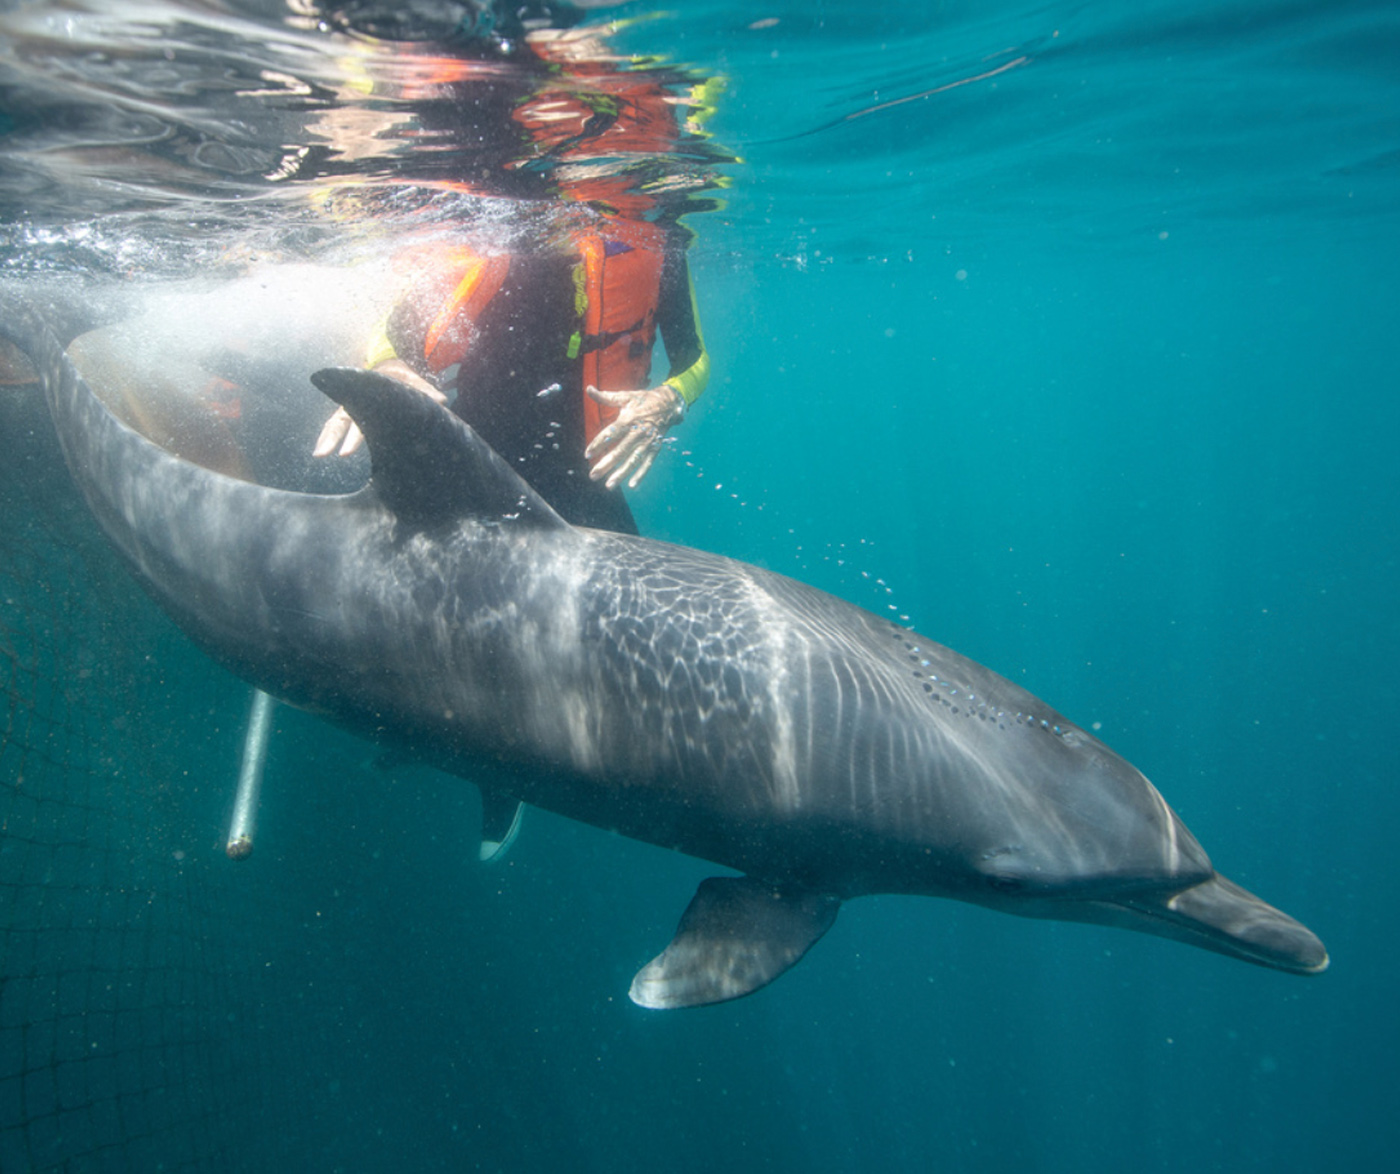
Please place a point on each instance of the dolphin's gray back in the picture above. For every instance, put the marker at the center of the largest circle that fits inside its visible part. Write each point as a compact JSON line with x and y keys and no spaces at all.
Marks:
{"x":673,"y":694}
{"x":677,"y":696}
{"x":797,"y":708}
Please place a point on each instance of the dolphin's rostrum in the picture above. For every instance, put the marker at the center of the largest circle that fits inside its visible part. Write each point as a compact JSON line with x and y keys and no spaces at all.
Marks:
{"x":675,"y":696}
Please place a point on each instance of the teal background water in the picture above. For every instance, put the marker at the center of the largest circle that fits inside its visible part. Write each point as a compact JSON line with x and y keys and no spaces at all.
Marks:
{"x":1093,"y":364}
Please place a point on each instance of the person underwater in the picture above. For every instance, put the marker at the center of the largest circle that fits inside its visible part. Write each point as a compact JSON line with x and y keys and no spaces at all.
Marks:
{"x":545,"y":348}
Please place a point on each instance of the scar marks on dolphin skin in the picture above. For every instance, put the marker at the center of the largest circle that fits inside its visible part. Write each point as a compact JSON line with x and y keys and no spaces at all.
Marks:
{"x":962,"y":702}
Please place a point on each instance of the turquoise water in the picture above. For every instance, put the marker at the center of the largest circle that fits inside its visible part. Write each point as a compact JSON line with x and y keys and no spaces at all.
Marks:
{"x":1088,"y":368}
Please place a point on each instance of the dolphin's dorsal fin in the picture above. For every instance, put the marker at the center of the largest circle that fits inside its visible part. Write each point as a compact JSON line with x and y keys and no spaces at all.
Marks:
{"x":737,"y":935}
{"x":426,"y":464}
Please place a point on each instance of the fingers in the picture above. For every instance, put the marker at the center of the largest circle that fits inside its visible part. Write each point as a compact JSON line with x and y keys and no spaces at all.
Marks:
{"x":602,"y":442}
{"x":632,"y":444}
{"x":622,"y":470}
{"x":612,"y":399}
{"x":612,"y":453}
{"x":353,"y":439}
{"x":645,"y":466}
{"x":332,"y":433}
{"x":339,"y":432}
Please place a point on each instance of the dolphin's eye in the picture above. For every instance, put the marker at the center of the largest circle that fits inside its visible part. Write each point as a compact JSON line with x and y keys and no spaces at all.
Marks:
{"x":1006,"y":884}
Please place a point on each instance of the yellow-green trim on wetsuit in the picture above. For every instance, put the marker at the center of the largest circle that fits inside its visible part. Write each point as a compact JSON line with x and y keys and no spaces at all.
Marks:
{"x":690,"y":384}
{"x":380,"y":349}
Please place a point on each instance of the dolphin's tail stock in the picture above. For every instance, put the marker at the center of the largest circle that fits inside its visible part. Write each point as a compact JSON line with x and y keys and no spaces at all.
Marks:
{"x":40,"y":319}
{"x":26,"y":338}
{"x":21,"y":367}
{"x":16,"y":367}
{"x":1219,"y":915}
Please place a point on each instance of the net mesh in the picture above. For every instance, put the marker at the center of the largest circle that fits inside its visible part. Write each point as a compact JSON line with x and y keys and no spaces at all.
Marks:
{"x":122,"y":933}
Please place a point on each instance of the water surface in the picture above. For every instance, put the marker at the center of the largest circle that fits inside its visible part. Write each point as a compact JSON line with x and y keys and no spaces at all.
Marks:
{"x":1065,"y":330}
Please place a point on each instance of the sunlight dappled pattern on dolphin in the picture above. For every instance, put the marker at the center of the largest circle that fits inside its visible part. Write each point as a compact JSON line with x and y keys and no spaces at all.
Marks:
{"x":445,"y":607}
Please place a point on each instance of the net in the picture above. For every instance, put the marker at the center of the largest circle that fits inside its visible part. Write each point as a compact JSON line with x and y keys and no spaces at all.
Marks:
{"x":125,"y":962}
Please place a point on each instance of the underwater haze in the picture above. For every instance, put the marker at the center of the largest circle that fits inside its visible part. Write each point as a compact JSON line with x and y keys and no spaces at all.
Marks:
{"x":1065,"y":333}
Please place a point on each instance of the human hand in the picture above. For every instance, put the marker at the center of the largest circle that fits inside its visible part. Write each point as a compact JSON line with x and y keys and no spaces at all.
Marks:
{"x":631,"y":442}
{"x":342,"y":435}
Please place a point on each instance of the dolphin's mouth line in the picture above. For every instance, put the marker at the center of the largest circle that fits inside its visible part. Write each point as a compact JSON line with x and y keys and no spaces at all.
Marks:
{"x":1216,"y":939}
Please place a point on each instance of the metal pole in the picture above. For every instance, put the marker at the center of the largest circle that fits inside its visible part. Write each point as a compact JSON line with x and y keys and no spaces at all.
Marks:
{"x":245,"y":803}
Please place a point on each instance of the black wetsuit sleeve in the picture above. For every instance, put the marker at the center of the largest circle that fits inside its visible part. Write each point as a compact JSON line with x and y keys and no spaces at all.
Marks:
{"x":678,"y":321}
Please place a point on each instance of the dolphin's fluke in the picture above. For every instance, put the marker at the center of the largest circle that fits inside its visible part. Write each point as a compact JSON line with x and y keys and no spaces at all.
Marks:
{"x":427,"y":465}
{"x":1219,"y":915}
{"x":736,"y":936}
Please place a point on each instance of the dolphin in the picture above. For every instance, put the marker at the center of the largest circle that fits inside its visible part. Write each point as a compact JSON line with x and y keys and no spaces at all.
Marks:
{"x":678,"y":697}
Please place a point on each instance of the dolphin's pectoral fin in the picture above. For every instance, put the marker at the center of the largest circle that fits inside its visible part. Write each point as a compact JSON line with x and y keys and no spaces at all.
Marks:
{"x":737,"y":935}
{"x":427,"y":465}
{"x":500,"y":824}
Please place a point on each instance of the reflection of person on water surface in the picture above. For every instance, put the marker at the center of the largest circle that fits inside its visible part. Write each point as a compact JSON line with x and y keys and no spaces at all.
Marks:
{"x":545,"y":347}
{"x":546,"y":350}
